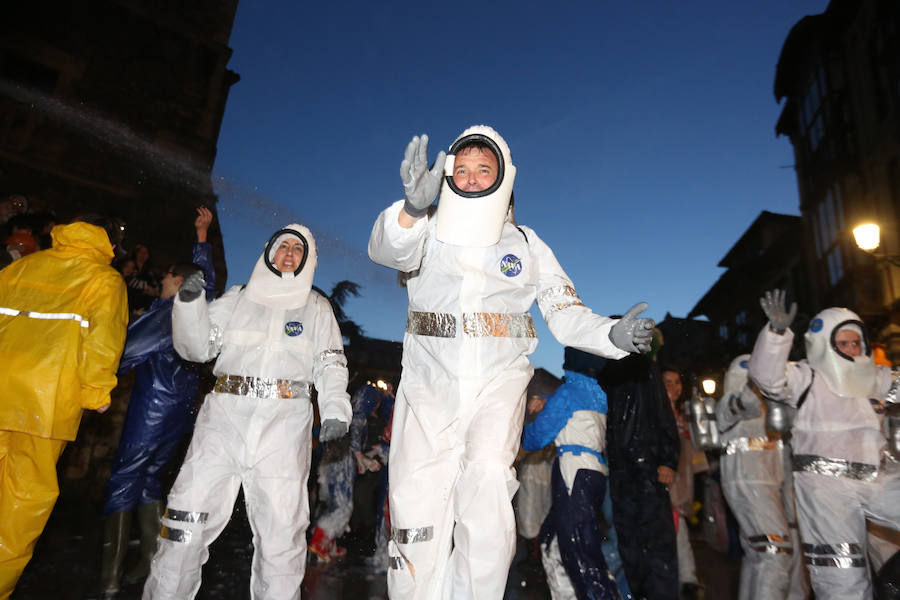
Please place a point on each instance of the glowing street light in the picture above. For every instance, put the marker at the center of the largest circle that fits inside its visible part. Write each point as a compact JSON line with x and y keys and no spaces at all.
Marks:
{"x":867,"y":236}
{"x":709,"y":386}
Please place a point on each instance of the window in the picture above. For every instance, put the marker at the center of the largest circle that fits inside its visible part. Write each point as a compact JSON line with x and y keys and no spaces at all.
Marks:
{"x":811,"y":117}
{"x":828,"y":225}
{"x":723,"y":331}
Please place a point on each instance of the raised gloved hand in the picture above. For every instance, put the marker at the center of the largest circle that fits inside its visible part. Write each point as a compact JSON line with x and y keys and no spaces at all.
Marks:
{"x":631,"y":333}
{"x":773,"y":305}
{"x":333,"y":429}
{"x":419,"y":184}
{"x":192,"y":287}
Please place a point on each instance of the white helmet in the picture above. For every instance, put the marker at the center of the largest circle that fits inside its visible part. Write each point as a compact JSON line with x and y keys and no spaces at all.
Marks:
{"x":270,"y":286}
{"x":845,"y":375}
{"x":736,"y":375}
{"x":475,"y":219}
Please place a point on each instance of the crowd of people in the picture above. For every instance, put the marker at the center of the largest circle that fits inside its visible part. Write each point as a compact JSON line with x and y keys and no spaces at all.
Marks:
{"x":805,"y":453}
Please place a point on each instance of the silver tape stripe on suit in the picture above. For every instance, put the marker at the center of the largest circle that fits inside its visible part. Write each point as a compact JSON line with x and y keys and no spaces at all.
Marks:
{"x":411,"y":536}
{"x":185,"y":516}
{"x":834,"y":467}
{"x":182,"y":536}
{"x":842,"y":549}
{"x":516,"y":325}
{"x":746,"y":444}
{"x":258,"y":387}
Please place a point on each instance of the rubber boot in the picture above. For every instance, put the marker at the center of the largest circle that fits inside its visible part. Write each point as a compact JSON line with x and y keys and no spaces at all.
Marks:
{"x":148,"y":519}
{"x":115,"y":545}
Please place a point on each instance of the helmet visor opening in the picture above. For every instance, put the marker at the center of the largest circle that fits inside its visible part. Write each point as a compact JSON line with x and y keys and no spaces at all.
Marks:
{"x":272,"y":247}
{"x":852,"y":325}
{"x":477,"y":140}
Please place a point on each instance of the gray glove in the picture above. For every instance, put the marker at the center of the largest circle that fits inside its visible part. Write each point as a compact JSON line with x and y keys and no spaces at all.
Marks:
{"x":333,"y":429}
{"x":773,"y":305}
{"x":419,"y":184}
{"x":631,"y":333}
{"x":192,"y":287}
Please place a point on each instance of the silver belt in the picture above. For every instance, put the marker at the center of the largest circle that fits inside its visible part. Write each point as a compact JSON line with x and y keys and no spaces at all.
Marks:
{"x":754,"y":444}
{"x":258,"y":387}
{"x":517,"y":325}
{"x":834,"y":467}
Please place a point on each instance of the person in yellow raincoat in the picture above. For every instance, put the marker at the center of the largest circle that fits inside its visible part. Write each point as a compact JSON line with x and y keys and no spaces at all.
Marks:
{"x":63,"y":315}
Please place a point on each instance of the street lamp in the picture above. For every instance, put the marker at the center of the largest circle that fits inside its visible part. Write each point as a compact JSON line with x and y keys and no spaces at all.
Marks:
{"x":868,"y":238}
{"x":709,"y":386}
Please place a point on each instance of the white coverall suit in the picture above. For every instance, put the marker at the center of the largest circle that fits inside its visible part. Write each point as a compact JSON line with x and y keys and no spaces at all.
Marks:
{"x":460,"y":406}
{"x":840,"y":479}
{"x":752,"y":467}
{"x":253,"y":430}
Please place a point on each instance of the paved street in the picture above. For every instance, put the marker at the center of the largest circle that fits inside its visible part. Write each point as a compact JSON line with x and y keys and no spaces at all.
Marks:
{"x":66,"y":566}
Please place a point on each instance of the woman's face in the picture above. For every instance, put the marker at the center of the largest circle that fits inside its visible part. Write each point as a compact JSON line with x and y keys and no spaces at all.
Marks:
{"x":672,"y":381}
{"x":141,"y":254}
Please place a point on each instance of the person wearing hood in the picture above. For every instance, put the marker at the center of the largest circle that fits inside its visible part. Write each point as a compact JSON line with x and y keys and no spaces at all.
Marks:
{"x":160,"y":414}
{"x":844,"y":467}
{"x":63,"y":314}
{"x":752,"y":467}
{"x":474,"y":275}
{"x":273,"y":340}
{"x":643,"y":448}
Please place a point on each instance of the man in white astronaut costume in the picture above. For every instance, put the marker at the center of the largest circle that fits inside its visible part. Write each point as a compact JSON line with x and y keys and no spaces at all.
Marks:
{"x":460,"y":405}
{"x":275,"y":339}
{"x":752,"y":468}
{"x":842,"y":473}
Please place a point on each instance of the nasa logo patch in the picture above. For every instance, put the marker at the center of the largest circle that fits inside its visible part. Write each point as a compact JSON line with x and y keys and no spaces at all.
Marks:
{"x":293,"y":328}
{"x":510,"y":265}
{"x":815,"y":325}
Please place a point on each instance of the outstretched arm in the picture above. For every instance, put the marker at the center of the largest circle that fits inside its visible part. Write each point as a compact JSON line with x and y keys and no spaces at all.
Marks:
{"x":570,"y":322}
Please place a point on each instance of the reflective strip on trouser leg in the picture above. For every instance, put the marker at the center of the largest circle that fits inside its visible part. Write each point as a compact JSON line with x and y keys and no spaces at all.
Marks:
{"x":833,"y":529}
{"x":28,"y":491}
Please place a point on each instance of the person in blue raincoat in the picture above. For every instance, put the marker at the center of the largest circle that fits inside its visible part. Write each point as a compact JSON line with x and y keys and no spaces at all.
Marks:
{"x":160,"y":414}
{"x":574,"y":417}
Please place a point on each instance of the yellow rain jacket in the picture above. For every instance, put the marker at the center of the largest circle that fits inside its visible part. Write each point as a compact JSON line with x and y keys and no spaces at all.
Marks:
{"x":63,"y":315}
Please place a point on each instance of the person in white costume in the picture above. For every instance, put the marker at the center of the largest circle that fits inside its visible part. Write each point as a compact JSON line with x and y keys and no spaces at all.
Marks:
{"x":752,"y":467}
{"x":274,"y":339}
{"x":842,"y":473}
{"x":459,"y":410}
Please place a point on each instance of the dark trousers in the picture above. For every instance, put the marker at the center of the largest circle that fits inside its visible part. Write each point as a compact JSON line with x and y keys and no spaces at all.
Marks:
{"x":577,"y":519}
{"x":643,"y":519}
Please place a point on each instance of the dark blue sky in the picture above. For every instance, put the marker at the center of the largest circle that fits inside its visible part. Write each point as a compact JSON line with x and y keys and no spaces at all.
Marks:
{"x":643,"y":133}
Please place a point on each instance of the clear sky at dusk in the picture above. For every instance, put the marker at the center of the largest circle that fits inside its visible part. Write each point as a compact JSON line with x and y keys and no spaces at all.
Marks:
{"x":643,"y":133}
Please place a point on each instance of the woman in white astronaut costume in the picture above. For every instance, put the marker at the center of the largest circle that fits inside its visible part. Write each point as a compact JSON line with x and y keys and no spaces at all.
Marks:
{"x":752,"y":469}
{"x":841,"y":477}
{"x":274,"y":340}
{"x":459,"y":410}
